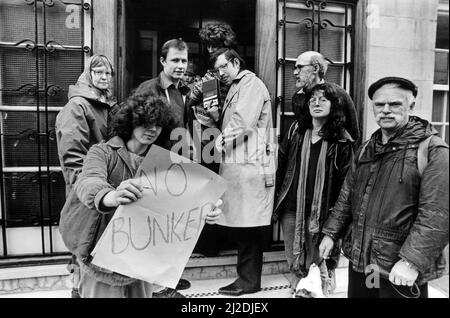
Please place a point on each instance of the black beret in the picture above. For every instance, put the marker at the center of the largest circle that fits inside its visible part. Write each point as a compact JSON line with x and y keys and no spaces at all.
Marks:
{"x":402,"y":82}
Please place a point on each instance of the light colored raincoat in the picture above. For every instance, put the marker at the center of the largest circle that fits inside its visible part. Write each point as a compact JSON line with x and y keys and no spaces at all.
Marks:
{"x":248,"y":162}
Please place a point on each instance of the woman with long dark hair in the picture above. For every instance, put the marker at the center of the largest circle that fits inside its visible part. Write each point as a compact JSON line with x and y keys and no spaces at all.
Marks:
{"x":313,"y":160}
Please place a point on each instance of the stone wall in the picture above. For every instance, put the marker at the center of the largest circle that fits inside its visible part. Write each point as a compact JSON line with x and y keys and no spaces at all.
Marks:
{"x":401,"y":36}
{"x":32,"y":284}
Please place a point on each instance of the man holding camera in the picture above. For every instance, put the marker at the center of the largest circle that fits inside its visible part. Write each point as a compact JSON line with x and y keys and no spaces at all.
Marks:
{"x":246,"y":143}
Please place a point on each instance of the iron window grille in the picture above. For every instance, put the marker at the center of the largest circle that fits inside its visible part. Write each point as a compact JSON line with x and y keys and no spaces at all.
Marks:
{"x":440,"y":110}
{"x":323,"y":26}
{"x":43,"y":46}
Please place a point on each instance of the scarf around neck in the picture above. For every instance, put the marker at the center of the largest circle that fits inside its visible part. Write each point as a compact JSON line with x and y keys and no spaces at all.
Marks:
{"x":299,"y":238}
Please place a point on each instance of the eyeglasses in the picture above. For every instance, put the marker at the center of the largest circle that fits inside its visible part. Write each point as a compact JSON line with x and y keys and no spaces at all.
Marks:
{"x":314,"y":101}
{"x":299,"y":67}
{"x":101,"y":73}
{"x":223,"y":66}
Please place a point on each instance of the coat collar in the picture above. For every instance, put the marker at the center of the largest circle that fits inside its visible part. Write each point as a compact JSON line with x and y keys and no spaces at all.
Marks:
{"x":242,"y":74}
{"x":165,"y":83}
{"x":118,"y":144}
{"x":346,"y":137}
{"x":234,"y":92}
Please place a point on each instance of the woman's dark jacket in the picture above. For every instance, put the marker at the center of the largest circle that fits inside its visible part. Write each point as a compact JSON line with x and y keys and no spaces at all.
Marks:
{"x":387,"y":210}
{"x":338,"y":158}
{"x":82,"y":123}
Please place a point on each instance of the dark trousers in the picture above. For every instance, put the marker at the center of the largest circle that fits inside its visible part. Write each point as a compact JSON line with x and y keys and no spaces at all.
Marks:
{"x":213,"y":239}
{"x":357,"y":288}
{"x":249,"y":243}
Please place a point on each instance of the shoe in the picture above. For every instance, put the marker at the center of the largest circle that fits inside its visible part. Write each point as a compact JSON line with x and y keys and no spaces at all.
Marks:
{"x":75,"y":293}
{"x":168,"y":293}
{"x":234,"y":290}
{"x":183,"y":284}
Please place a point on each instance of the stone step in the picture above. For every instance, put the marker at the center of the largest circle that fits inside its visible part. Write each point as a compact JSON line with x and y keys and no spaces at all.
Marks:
{"x":22,"y":279}
{"x":273,"y":286}
{"x":224,"y":265}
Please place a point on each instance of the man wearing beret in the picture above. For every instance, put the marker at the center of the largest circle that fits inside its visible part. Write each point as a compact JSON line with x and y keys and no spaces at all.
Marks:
{"x":392,"y":216}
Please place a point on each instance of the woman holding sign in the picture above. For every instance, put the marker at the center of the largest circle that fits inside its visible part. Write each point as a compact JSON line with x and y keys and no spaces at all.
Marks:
{"x":105,"y":183}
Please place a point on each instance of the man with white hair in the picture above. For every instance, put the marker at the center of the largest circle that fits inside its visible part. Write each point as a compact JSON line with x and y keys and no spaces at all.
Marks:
{"x":392,"y":211}
{"x":310,"y":69}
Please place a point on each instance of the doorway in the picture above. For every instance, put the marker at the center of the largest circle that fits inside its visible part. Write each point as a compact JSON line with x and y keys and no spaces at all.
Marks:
{"x":148,"y":24}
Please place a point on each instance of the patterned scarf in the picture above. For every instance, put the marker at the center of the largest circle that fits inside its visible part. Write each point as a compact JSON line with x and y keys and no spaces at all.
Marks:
{"x":299,"y":239}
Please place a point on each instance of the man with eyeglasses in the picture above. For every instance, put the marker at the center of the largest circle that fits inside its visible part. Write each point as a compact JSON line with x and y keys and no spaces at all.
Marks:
{"x":309,"y":70}
{"x":392,"y":211}
{"x":246,"y":144}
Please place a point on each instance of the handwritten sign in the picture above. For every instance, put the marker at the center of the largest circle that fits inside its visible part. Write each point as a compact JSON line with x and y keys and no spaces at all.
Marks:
{"x":153,"y":238}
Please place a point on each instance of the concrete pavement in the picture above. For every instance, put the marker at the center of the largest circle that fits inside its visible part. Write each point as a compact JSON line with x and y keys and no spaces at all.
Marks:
{"x":273,"y":286}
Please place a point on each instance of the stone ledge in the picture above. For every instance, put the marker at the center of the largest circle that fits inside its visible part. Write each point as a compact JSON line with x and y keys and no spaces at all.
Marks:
{"x":34,"y":261}
{"x":230,"y":258}
{"x":33,"y":272}
{"x":25,"y":285}
{"x":225,"y":266}
{"x":226,"y":258}
{"x":56,"y":277}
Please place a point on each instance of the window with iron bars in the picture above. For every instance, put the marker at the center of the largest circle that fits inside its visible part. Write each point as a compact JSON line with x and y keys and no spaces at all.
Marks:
{"x":43,"y":45}
{"x":440,"y":114}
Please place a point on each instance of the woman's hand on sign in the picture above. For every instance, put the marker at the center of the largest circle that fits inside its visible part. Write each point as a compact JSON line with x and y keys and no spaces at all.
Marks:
{"x":213,"y":216}
{"x":127,"y":192}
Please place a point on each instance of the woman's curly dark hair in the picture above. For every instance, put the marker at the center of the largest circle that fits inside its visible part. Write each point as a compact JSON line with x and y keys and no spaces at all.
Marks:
{"x":334,"y":127}
{"x":141,"y":110}
{"x":218,"y":35}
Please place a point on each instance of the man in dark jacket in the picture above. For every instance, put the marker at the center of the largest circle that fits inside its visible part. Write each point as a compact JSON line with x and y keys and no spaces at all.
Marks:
{"x":169,"y":85}
{"x":393,"y":218}
{"x":310,"y":69}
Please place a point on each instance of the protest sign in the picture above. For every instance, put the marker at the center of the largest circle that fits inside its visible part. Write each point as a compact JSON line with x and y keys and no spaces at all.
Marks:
{"x":153,"y":238}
